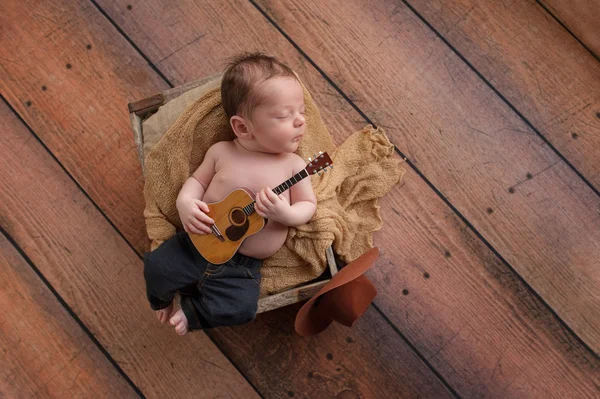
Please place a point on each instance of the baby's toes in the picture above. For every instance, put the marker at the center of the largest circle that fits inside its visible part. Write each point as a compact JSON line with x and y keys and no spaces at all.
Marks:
{"x":179,"y":321}
{"x":177,"y":318}
{"x":181,"y":328}
{"x":160,"y":315}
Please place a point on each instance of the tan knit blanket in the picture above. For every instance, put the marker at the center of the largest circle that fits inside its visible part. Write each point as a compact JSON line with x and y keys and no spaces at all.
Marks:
{"x":347,"y":211}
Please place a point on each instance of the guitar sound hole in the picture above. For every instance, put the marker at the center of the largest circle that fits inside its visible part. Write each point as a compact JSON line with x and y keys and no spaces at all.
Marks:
{"x":237,"y":217}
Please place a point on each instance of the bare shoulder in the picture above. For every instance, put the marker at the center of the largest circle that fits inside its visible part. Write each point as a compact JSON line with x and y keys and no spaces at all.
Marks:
{"x":296,"y":162}
{"x":219,"y":151}
{"x":220,"y":148}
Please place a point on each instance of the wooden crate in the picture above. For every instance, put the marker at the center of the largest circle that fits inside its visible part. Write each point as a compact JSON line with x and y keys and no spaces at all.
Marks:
{"x":141,"y":110}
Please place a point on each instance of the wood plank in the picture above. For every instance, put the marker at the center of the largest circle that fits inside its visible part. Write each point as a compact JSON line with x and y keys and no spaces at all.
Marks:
{"x":98,"y":275}
{"x":368,"y":360}
{"x":45,"y":352}
{"x":581,"y":17}
{"x":385,"y":381}
{"x":479,"y":326}
{"x":483,"y":158}
{"x":536,"y":64}
{"x":76,"y":98}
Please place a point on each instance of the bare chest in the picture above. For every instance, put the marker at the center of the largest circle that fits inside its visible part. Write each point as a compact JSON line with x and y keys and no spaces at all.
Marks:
{"x":245,"y":172}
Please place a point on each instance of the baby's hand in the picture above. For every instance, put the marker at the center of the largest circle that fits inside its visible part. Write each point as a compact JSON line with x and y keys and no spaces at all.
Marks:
{"x":272,"y":206}
{"x":193,"y":216}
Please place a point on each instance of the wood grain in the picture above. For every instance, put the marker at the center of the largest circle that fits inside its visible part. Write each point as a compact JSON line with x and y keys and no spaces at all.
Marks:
{"x":526,"y":202}
{"x":98,"y":275}
{"x":368,"y":360}
{"x":45,"y":353}
{"x":535,"y":63}
{"x":473,"y":318}
{"x":582,"y":17}
{"x":76,"y":98}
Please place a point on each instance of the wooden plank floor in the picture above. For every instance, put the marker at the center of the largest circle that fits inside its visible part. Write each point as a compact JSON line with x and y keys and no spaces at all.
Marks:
{"x":581,"y":18}
{"x":489,"y":275}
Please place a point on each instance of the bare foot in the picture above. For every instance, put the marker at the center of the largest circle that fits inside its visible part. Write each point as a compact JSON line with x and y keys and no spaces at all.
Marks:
{"x":163,"y":314}
{"x":179,"y":321}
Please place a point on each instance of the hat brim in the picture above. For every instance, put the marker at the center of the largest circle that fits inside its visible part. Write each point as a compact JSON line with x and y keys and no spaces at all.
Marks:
{"x":308,"y":320}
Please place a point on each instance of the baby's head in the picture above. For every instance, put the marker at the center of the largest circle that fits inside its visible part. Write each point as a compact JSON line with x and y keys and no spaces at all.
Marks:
{"x":264,"y":102}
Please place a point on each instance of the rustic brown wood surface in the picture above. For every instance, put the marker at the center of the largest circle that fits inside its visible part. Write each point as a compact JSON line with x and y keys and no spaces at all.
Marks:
{"x":366,"y":361}
{"x":70,"y":75}
{"x":44,"y":351}
{"x":515,"y":191}
{"x":535,"y":63}
{"x":15,"y":77}
{"x":99,"y":276}
{"x":582,"y":17}
{"x":487,"y":296}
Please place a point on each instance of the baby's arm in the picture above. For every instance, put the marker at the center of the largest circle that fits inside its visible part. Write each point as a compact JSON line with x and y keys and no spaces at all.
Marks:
{"x":302,"y":205}
{"x":302,"y":198}
{"x":192,"y":210}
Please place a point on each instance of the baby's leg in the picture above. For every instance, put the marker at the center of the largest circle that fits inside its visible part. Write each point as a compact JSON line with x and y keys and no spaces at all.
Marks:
{"x":173,"y":266}
{"x":231,"y":296}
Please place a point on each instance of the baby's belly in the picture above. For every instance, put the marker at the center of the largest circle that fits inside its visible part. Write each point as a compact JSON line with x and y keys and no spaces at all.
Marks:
{"x":266,"y":242}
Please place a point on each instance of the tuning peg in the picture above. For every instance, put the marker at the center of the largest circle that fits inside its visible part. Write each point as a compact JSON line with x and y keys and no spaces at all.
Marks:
{"x":315,"y":155}
{"x":320,"y":152}
{"x":309,"y":159}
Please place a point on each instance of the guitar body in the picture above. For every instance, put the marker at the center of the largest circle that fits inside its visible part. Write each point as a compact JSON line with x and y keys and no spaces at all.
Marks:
{"x":233,"y":224}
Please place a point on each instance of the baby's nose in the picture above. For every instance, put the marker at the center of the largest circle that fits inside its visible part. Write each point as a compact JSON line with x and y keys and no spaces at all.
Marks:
{"x":299,"y":121}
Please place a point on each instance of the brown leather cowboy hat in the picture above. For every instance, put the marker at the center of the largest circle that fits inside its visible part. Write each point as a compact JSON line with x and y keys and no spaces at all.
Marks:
{"x":344,"y":298}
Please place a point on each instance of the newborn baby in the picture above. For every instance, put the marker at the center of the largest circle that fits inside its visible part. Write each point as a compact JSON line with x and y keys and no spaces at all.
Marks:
{"x":264,"y":102}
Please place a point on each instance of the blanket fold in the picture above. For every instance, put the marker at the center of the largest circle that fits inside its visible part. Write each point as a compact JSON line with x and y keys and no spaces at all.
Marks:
{"x":347,"y":210}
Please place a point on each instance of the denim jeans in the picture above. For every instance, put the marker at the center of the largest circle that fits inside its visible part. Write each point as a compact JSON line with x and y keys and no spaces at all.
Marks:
{"x":211,"y":295}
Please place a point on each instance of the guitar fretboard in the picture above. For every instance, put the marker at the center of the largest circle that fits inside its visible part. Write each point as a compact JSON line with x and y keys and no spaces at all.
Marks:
{"x":249,"y":209}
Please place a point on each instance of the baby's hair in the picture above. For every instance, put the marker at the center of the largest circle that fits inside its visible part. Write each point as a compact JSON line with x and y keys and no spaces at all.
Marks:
{"x":242,"y":74}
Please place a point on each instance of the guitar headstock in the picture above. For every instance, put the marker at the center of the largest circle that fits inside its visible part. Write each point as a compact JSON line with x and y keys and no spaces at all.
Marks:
{"x":320,"y":163}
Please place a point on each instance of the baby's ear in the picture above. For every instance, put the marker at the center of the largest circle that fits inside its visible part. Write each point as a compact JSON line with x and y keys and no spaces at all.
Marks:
{"x":240,"y":127}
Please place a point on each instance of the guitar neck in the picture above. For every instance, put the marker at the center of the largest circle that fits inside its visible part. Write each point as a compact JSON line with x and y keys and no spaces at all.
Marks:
{"x":248,"y":210}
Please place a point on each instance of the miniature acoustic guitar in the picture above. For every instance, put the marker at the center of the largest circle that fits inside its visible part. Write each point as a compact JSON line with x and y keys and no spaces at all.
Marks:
{"x":236,"y":219}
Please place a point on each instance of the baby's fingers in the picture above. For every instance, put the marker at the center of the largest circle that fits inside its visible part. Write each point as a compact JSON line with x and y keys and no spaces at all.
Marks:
{"x":264,"y":196}
{"x":203,"y":218}
{"x":259,"y":208}
{"x":204,"y":228}
{"x":259,"y":201}
{"x":201,"y":227}
{"x":190,"y":228}
{"x":271,"y":195}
